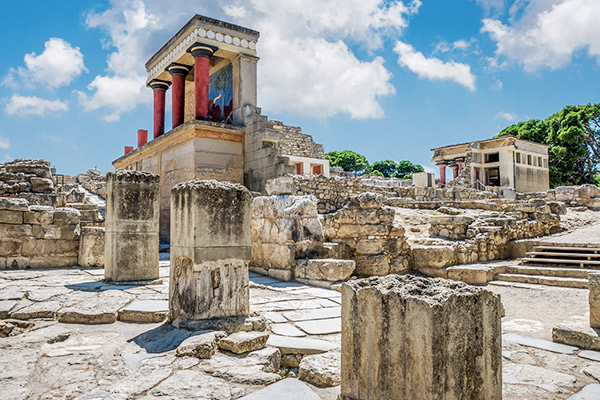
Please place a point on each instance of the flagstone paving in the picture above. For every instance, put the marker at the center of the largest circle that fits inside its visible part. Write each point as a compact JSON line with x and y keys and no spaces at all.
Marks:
{"x":98,"y":356}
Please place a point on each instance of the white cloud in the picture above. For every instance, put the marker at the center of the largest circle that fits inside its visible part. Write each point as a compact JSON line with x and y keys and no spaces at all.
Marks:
{"x":491,"y":5}
{"x":58,"y":65}
{"x":4,"y":143}
{"x":547,"y":33}
{"x":306,"y":65}
{"x":32,"y":105}
{"x":434,"y":68}
{"x":505,"y":115}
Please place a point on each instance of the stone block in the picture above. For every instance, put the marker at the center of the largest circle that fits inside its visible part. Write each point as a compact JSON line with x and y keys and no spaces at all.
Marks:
{"x":39,"y":215}
{"x":433,"y":256}
{"x":13,"y":204}
{"x":10,"y":247}
{"x":47,"y":247}
{"x":209,"y":266}
{"x":406,"y":337}
{"x":325,"y":269}
{"x":42,"y":185}
{"x":11,"y":217}
{"x":282,"y":185}
{"x":91,"y":247}
{"x":132,"y":225}
{"x":594,"y":298}
{"x":202,"y":345}
{"x":244,"y":342}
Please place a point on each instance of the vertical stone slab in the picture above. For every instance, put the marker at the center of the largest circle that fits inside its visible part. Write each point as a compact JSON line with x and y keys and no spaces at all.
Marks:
{"x":594,"y":298}
{"x":132,"y":210}
{"x":406,"y":337}
{"x":210,"y":250}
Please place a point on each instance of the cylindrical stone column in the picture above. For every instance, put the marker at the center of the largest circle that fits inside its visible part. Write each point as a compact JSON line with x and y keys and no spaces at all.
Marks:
{"x":202,"y":54}
{"x":442,"y":174}
{"x":142,"y":137}
{"x":178,"y":73}
{"x":406,"y":337}
{"x":210,"y":251}
{"x":159,"y":87}
{"x":128,"y":149}
{"x":454,"y":171}
{"x":132,"y":210}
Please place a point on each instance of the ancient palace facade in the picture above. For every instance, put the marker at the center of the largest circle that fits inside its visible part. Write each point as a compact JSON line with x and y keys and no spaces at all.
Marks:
{"x":217,"y":130}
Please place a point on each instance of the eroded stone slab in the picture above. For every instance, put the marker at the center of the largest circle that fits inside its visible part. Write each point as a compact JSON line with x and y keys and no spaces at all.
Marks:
{"x":288,"y":389}
{"x":590,"y":355}
{"x":321,"y":369}
{"x":540,"y":343}
{"x":6,"y":306}
{"x":243,"y":342}
{"x":258,"y":367}
{"x":289,"y":345}
{"x":190,"y":384}
{"x":320,"y":313}
{"x":589,"y":392}
{"x":145,"y":311}
{"x":203,"y":345}
{"x":321,"y":326}
{"x":286,"y":329}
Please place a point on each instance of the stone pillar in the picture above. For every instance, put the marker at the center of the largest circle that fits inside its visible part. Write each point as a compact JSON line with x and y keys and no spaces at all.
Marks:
{"x":406,"y":337}
{"x":142,"y":137}
{"x":460,"y":166}
{"x":202,"y":54}
{"x":210,"y":251}
{"x":454,"y":171}
{"x":594,"y":298}
{"x":178,"y":73}
{"x":131,"y":251}
{"x":159,"y":87}
{"x":442,"y":174}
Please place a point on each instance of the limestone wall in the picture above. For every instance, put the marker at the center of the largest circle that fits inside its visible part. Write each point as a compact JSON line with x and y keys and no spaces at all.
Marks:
{"x":573,"y":196}
{"x":28,"y":179}
{"x":37,"y":236}
{"x":367,"y":228}
{"x":293,"y":142}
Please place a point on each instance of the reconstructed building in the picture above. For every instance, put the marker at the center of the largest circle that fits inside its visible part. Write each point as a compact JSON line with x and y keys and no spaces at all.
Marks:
{"x":217,"y":131}
{"x":505,"y":161}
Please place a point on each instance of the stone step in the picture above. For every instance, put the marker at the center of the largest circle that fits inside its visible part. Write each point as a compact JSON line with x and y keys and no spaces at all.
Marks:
{"x":586,"y":256}
{"x":544,"y":270}
{"x":544,"y":280}
{"x":567,"y":248}
{"x":559,"y":261}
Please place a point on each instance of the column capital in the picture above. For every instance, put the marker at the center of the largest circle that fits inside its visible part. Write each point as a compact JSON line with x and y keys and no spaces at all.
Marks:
{"x":202,"y":50}
{"x":442,"y":164}
{"x":178,"y":69}
{"x":158,"y":84}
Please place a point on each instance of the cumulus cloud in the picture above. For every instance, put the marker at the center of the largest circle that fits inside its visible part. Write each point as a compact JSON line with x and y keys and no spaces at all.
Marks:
{"x":505,"y":115}
{"x":547,"y":33}
{"x":4,"y":143}
{"x":434,"y":68}
{"x":32,"y":105}
{"x":58,"y":65}
{"x":306,"y":64}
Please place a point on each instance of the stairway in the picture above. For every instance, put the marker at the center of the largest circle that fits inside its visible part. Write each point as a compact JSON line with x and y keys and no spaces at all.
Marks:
{"x":555,"y":266}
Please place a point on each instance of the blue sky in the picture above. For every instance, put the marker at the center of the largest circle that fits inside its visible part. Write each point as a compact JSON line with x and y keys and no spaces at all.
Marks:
{"x":388,"y":79}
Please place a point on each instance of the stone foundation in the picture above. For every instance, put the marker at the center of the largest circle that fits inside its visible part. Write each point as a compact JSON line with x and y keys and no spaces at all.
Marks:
{"x":91,"y":247}
{"x":405,"y":337}
{"x":132,"y":210}
{"x":210,"y":250}
{"x":594,"y":298}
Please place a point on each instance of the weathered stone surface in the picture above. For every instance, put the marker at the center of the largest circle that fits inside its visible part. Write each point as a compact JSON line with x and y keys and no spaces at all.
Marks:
{"x":589,"y":392}
{"x":325,"y":269}
{"x":321,"y":369}
{"x":411,"y":332}
{"x":433,"y":256}
{"x":286,"y":329}
{"x":244,"y":342}
{"x":91,"y":247}
{"x":258,"y":367}
{"x":594,"y":298}
{"x":289,"y":345}
{"x":42,"y":185}
{"x":577,"y":332}
{"x":187,"y":384}
{"x":209,"y":266}
{"x":145,"y":311}
{"x":288,"y":389}
{"x":132,"y":211}
{"x":45,"y":309}
{"x":540,"y":343}
{"x":201,"y":345}
{"x":11,"y":217}
{"x":282,"y":185}
{"x":321,"y":326}
{"x":13,"y":204}
{"x":5,"y":307}
{"x":101,"y":308}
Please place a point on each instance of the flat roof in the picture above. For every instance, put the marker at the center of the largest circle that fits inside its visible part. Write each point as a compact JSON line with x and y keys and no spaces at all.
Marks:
{"x":489,"y":140}
{"x":206,"y":20}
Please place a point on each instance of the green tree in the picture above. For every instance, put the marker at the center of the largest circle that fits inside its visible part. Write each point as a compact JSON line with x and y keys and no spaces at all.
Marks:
{"x":405,"y":168}
{"x":597,"y":180}
{"x":386,"y":167}
{"x":573,"y":136}
{"x":348,"y":160}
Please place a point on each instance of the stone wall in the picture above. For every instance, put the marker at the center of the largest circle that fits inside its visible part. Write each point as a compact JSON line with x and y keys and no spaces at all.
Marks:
{"x":367,"y":228}
{"x":37,"y":236}
{"x":293,"y":142}
{"x":573,"y":196}
{"x":284,"y":228}
{"x":334,"y":192}
{"x":28,"y":179}
{"x":94,"y":181}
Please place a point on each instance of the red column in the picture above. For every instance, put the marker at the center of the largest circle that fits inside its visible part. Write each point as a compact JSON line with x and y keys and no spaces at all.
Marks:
{"x":442,"y":174}
{"x":142,"y":137}
{"x":178,"y":73}
{"x":202,"y":54}
{"x":454,"y":171}
{"x":128,"y":149}
{"x":460,"y":166}
{"x":159,"y":87}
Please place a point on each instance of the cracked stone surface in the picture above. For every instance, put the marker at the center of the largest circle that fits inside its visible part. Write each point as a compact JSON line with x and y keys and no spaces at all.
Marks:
{"x":122,"y":360}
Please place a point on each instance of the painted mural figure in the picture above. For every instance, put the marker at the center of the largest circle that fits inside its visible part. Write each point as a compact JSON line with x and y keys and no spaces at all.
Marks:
{"x":220,"y":93}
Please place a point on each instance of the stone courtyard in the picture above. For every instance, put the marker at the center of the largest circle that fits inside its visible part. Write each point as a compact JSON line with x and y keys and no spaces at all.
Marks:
{"x":129,"y":352}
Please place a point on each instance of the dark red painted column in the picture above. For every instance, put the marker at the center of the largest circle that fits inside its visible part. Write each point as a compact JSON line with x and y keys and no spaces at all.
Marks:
{"x":159,"y":87}
{"x":178,"y":73}
{"x":442,"y":174}
{"x":202,"y":54}
{"x":128,"y":149}
{"x":454,"y":171}
{"x":142,"y":137}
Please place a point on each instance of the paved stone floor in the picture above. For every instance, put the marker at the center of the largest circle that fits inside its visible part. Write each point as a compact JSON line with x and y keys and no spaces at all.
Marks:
{"x":114,"y":359}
